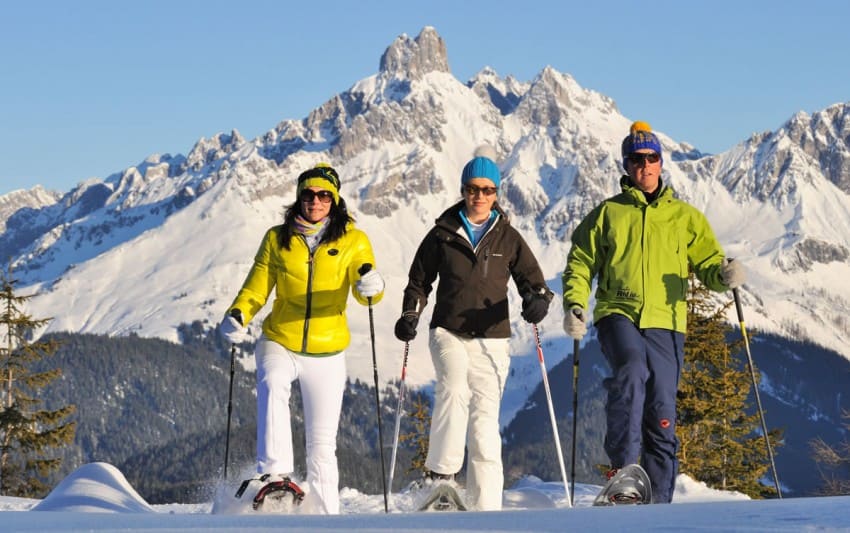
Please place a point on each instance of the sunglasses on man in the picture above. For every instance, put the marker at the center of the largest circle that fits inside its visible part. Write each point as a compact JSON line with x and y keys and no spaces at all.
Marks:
{"x":637,"y":158}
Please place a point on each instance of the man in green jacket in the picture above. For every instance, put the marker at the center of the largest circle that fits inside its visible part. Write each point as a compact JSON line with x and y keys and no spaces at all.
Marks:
{"x":639,"y":245}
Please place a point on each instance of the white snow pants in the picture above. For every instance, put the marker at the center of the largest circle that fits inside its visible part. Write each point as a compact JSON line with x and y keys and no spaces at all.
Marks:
{"x":322,"y":382}
{"x":471,"y":377}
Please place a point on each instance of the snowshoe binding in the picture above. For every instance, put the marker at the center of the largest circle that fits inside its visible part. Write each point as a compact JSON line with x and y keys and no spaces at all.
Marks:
{"x":629,"y":485}
{"x":280,"y":494}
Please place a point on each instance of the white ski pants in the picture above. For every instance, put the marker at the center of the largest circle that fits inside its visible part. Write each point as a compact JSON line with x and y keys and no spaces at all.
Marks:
{"x":471,"y":376}
{"x":322,"y":382}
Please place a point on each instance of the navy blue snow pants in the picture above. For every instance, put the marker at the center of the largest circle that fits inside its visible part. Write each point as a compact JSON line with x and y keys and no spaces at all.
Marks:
{"x":641,"y":407}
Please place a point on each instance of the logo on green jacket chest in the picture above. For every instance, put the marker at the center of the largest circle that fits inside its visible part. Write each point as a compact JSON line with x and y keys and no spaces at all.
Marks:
{"x":627,"y":294}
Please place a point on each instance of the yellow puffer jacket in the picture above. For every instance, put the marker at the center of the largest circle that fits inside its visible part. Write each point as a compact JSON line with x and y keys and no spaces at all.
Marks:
{"x":311,"y":290}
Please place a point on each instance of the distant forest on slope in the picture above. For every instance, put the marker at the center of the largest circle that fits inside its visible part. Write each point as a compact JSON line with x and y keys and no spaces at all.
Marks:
{"x":158,"y":411}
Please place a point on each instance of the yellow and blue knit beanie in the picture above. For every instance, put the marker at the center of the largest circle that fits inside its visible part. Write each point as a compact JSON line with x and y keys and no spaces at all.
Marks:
{"x":322,"y":175}
{"x":640,"y":137}
{"x":482,"y":165}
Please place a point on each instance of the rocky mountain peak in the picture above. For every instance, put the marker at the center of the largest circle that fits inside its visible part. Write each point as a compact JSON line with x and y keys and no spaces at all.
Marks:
{"x":413,"y":58}
{"x":825,"y":136}
{"x":206,"y":150}
{"x":400,"y":138}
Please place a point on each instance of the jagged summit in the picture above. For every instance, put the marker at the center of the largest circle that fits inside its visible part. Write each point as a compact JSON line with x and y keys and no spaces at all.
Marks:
{"x":412,"y":58}
{"x":825,"y":136}
{"x":168,"y":240}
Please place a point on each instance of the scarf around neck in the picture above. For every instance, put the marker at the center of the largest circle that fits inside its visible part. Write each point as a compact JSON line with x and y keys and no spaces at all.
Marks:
{"x":307,"y":228}
{"x":312,"y":231}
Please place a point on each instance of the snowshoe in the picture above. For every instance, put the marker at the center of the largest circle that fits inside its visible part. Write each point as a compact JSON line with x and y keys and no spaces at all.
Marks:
{"x":281,"y":494}
{"x":630,"y":485}
{"x":443,"y":497}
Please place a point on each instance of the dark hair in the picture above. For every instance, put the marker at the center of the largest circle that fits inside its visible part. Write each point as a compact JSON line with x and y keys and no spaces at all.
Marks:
{"x":338,"y":218}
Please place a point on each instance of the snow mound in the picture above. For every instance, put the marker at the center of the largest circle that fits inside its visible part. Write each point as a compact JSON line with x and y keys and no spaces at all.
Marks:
{"x":688,"y":489}
{"x":95,"y":488}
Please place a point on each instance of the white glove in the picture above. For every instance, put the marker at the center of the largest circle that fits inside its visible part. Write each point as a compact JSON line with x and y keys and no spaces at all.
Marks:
{"x":733,"y":274}
{"x":574,"y":324}
{"x":370,"y":284}
{"x":232,"y":331}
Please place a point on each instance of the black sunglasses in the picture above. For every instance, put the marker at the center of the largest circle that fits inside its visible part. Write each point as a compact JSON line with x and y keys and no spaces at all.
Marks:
{"x":472,"y":190}
{"x":307,"y":195}
{"x":636,"y":158}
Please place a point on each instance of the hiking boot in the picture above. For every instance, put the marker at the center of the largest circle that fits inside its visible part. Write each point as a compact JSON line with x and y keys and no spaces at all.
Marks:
{"x":435,"y":477}
{"x":430,"y":479}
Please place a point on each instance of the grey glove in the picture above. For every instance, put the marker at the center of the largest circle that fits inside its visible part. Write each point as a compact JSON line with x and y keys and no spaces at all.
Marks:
{"x":574,"y":323}
{"x":732,"y":273}
{"x":231,"y":328}
{"x":370,"y":284}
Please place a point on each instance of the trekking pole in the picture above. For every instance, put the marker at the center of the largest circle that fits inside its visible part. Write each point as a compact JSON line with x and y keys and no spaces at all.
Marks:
{"x":552,"y":414}
{"x":575,"y":420}
{"x":756,"y":390}
{"x":363,"y":270}
{"x":229,"y":409}
{"x":398,"y":414}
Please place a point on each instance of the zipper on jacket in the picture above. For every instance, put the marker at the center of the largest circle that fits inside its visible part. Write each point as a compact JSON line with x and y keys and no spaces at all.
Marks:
{"x":309,"y":304}
{"x":486,"y":248}
{"x":643,"y":263}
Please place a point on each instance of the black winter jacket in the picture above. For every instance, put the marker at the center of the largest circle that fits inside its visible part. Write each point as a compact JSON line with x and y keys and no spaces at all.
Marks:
{"x":472,"y":294}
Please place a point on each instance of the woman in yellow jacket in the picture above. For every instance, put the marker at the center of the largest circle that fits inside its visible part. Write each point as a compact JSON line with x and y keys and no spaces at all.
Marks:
{"x":310,"y":261}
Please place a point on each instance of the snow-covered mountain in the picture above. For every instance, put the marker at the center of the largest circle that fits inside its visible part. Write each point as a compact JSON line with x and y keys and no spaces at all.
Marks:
{"x":169,"y":241}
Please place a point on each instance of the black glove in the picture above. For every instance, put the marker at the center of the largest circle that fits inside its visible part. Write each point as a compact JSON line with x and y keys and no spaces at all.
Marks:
{"x":405,"y":327}
{"x":535,"y":306}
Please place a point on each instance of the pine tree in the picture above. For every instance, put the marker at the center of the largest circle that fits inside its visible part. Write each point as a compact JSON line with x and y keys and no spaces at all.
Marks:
{"x":27,"y":431}
{"x":834,"y":463}
{"x":421,"y":416}
{"x":719,"y":443}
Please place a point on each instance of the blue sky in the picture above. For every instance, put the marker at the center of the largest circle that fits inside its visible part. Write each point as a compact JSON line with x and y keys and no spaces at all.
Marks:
{"x":91,"y":87}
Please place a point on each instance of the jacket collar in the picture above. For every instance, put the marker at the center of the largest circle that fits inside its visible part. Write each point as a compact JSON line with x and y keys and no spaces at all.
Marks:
{"x":638,"y":195}
{"x":450,"y":218}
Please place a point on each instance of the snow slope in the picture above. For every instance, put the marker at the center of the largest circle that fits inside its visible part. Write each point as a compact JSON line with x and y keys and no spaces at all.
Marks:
{"x":97,"y":497}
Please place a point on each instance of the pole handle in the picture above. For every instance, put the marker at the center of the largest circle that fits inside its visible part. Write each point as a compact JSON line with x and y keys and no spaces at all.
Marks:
{"x":738,"y":307}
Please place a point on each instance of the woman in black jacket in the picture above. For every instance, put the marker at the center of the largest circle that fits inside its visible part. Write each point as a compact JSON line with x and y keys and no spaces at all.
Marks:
{"x":475,"y":251}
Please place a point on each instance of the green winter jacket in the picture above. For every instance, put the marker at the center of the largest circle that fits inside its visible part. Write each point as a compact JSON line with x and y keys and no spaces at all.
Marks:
{"x":640,"y":253}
